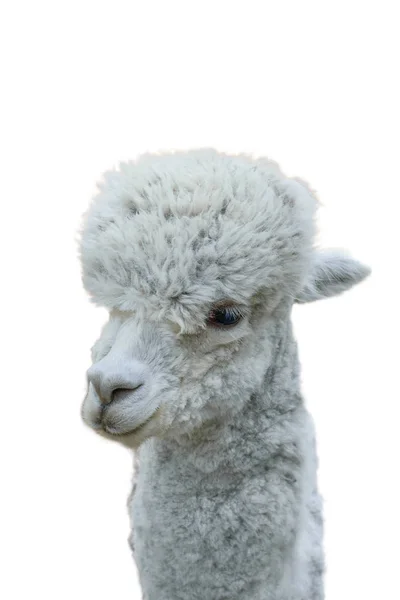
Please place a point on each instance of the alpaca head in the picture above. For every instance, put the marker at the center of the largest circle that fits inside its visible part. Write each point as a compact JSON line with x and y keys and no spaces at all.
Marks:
{"x":198,"y":257}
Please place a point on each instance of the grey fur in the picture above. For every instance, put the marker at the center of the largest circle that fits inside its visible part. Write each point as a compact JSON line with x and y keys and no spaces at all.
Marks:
{"x":225,"y":504}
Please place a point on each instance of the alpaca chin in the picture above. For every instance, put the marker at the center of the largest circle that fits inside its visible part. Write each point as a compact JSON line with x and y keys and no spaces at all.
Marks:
{"x":134,"y":438}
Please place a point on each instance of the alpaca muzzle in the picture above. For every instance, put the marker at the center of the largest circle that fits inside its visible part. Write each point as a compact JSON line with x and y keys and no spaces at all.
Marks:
{"x":117,"y":401}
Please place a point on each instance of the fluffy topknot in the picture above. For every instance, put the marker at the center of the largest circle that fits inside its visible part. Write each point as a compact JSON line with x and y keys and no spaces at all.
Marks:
{"x":170,"y":233}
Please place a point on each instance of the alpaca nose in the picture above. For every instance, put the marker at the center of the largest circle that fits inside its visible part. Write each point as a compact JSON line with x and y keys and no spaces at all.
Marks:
{"x":109,"y":377}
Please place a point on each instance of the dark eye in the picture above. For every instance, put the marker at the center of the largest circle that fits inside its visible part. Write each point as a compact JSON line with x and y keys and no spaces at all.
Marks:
{"x":224,"y":316}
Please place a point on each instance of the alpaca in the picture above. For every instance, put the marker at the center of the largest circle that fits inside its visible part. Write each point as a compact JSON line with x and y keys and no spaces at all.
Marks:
{"x":199,"y":258}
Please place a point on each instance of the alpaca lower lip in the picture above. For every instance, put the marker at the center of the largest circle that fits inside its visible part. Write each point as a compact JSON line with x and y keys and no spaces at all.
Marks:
{"x":118,"y":433}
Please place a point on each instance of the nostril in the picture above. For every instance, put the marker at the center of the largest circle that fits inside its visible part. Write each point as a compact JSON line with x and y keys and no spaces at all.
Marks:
{"x":122,"y":393}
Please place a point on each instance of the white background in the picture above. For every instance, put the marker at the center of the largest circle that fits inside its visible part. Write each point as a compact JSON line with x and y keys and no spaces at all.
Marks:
{"x":313,"y":85}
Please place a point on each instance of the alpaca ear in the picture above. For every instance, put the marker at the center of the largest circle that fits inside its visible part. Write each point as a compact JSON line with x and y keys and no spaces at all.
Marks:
{"x":332,"y":272}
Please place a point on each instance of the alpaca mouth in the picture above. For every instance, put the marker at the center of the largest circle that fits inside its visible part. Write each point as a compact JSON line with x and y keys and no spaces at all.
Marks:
{"x":116,"y":432}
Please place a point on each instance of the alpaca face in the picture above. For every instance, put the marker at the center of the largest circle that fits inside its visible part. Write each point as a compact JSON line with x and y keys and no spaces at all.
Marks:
{"x":198,"y":258}
{"x":150,"y":379}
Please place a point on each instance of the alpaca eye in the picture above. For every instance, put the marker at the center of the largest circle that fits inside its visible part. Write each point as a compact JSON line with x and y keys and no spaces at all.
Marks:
{"x":224,"y":316}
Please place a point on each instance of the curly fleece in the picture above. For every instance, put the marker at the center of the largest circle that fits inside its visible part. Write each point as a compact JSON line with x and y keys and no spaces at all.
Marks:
{"x":225,"y":503}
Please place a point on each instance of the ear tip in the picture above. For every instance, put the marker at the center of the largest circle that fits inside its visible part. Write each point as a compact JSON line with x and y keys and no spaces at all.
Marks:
{"x":333,"y":273}
{"x":342,"y":261}
{"x":364,"y":271}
